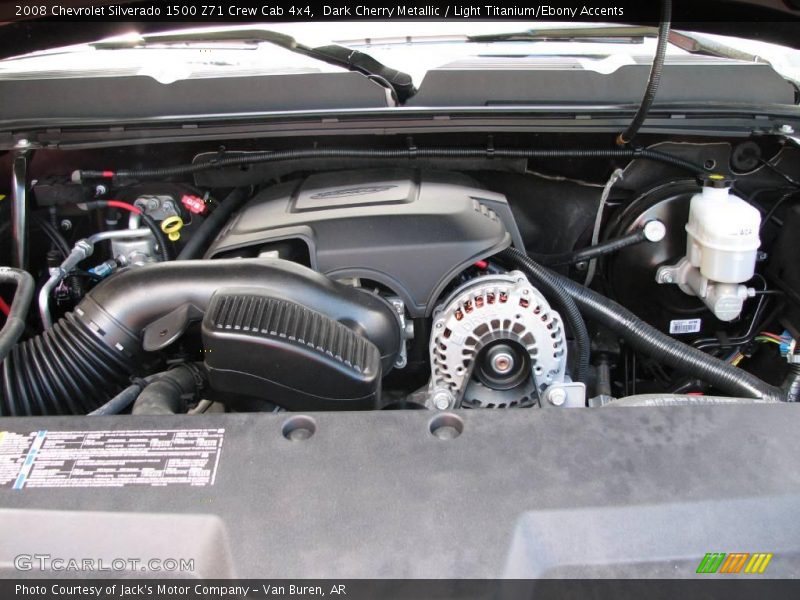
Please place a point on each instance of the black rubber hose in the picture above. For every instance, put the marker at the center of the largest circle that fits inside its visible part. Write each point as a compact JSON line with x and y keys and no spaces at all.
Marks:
{"x":168,"y":394}
{"x":653,"y":81}
{"x":584,"y":254}
{"x":119,"y":402}
{"x":651,"y":341}
{"x":15,"y":322}
{"x":125,"y":398}
{"x":393,"y":154}
{"x":563,"y":302}
{"x":200,"y":239}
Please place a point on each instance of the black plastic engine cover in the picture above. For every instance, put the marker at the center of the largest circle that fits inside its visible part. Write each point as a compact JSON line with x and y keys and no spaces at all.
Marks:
{"x":282,"y":352}
{"x":411,"y":231}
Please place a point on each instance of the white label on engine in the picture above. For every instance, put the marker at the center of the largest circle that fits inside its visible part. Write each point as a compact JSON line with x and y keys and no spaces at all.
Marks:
{"x":118,"y":458}
{"x":685,"y":325}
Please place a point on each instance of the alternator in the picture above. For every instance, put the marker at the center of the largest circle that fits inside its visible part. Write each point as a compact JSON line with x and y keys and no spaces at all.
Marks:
{"x":495,"y":343}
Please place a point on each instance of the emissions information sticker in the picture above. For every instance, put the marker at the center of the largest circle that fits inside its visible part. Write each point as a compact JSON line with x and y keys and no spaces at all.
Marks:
{"x":153,"y":457}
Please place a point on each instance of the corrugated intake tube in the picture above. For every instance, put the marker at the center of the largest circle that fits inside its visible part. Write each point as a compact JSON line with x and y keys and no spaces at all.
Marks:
{"x":66,"y":370}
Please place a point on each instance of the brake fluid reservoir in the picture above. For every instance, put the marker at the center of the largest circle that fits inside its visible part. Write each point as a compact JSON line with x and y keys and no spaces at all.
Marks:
{"x":722,"y":233}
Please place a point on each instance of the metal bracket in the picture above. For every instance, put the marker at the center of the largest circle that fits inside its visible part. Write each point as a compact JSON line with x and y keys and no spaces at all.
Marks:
{"x":565,"y":395}
{"x":19,"y":209}
{"x":406,"y":331}
{"x":161,"y":333}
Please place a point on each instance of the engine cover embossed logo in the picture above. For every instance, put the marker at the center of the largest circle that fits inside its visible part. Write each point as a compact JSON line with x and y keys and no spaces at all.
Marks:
{"x":356,"y":191}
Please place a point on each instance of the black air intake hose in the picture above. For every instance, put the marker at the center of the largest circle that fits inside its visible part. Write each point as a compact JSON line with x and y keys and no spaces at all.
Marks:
{"x":653,"y":342}
{"x":66,"y":370}
{"x":89,"y":355}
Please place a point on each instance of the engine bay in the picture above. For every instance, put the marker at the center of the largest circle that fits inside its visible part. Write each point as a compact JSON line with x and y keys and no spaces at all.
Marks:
{"x":485,"y":273}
